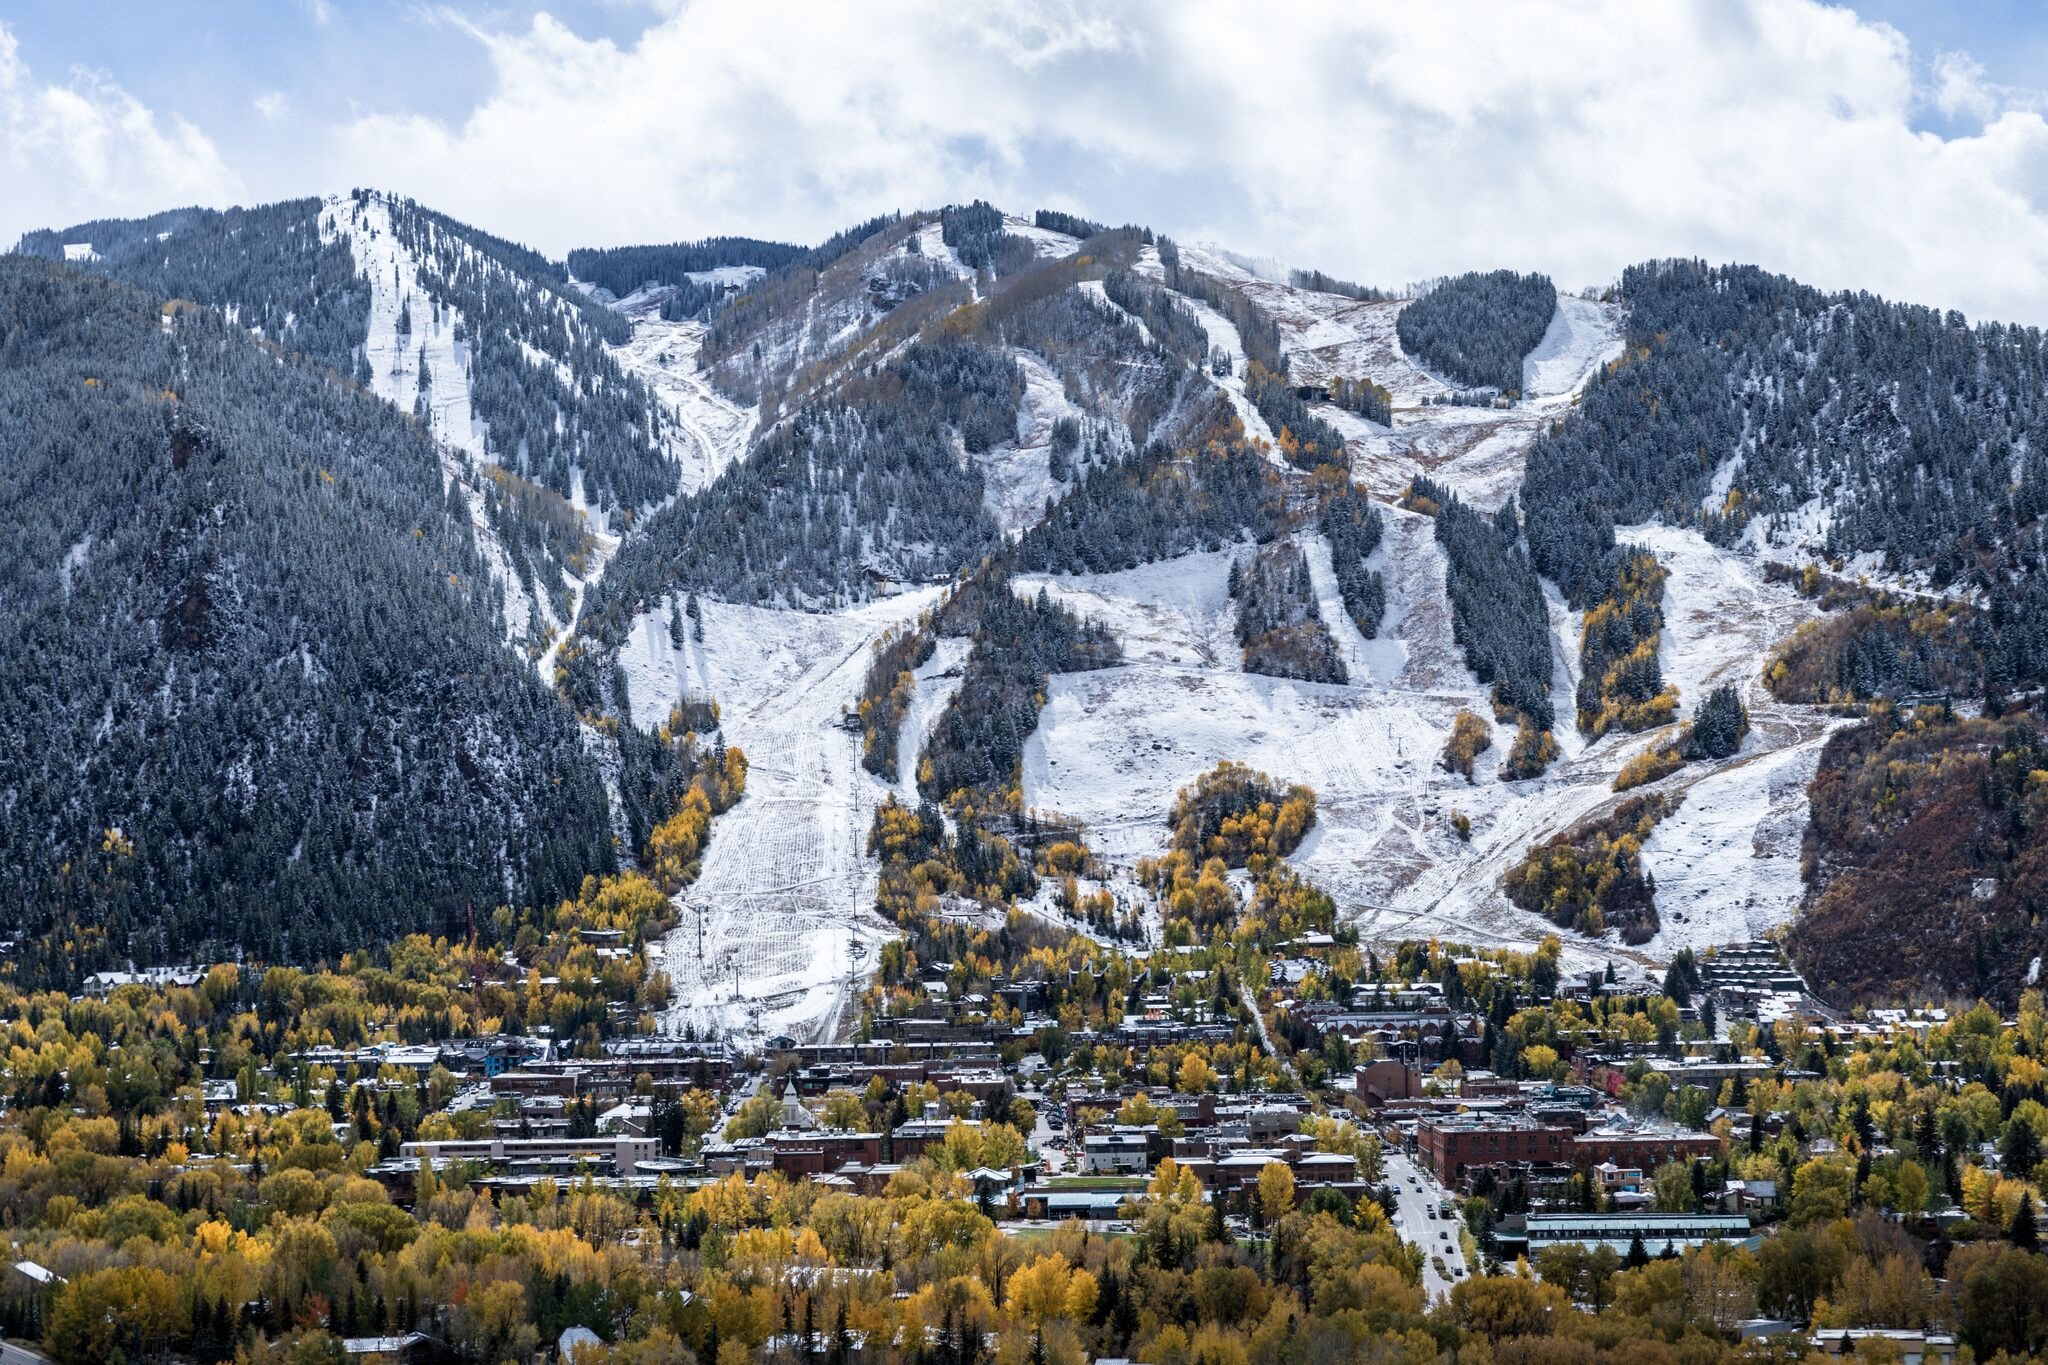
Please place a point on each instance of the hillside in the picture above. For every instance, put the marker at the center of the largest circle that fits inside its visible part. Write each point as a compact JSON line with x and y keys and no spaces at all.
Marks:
{"x":251,"y":658}
{"x":1305,"y":525}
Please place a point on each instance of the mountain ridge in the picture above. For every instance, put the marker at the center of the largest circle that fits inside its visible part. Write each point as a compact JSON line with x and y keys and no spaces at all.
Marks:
{"x":934,"y":393}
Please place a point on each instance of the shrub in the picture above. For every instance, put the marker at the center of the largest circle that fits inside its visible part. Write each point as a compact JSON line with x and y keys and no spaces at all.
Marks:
{"x":1659,"y":760}
{"x":1470,"y":737}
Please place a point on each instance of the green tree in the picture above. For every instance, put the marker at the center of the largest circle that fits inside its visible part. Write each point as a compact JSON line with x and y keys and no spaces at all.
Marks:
{"x":1671,"y":1188}
{"x":107,"y":1314}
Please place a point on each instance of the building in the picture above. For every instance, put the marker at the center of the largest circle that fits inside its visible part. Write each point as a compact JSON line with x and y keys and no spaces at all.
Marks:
{"x":1658,"y":1231}
{"x":801,"y":1153}
{"x":1119,"y":1150}
{"x":1914,"y":1347}
{"x":1643,"y":1148}
{"x":1455,"y":1145}
{"x":1060,"y":1199}
{"x":1382,"y":1081}
{"x":621,"y":1155}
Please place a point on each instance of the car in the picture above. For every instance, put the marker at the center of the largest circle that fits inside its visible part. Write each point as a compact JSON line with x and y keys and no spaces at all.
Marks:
{"x":1443,"y":1236}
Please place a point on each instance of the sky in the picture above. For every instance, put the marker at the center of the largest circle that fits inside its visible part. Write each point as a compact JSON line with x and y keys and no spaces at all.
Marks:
{"x":1893,"y":145}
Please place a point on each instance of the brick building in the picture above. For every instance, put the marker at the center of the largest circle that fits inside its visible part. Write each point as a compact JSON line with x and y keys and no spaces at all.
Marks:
{"x":1643,"y":1148}
{"x":1451,"y":1146}
{"x":810,"y":1152}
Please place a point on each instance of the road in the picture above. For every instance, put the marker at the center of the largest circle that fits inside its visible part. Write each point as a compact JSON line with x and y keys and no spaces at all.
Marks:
{"x":1056,"y":1159}
{"x":1416,"y":1194}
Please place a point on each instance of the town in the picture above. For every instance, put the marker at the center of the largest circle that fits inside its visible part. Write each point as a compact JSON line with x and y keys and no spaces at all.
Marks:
{"x":1505,"y":1123}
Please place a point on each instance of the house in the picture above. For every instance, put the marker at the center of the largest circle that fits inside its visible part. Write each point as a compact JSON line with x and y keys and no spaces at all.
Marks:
{"x":1612,"y":1180}
{"x":1739,"y":1196}
{"x":1914,"y":1347}
{"x":395,"y":1348}
{"x":1121,"y":1149}
{"x":574,"y":1339}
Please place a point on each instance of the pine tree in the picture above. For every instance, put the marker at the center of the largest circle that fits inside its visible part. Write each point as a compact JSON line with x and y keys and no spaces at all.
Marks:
{"x":1718,"y":725}
{"x":2023,"y":1232}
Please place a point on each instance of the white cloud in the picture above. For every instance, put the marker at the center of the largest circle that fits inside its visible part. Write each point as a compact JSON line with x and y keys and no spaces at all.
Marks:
{"x":317,"y":10}
{"x":1960,"y":90}
{"x":1385,"y":145}
{"x":271,"y":104}
{"x":89,"y":149}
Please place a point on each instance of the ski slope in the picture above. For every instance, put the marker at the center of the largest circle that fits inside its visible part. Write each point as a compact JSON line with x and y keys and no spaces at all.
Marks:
{"x":1113,"y":747}
{"x":785,"y":902}
{"x":396,"y":362}
{"x":714,"y":430}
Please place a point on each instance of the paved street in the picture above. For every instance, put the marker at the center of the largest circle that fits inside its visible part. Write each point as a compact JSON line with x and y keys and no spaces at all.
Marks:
{"x":1416,"y":1195}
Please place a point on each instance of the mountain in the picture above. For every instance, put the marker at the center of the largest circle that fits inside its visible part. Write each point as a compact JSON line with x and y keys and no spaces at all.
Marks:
{"x":251,"y":659}
{"x":1581,"y":614}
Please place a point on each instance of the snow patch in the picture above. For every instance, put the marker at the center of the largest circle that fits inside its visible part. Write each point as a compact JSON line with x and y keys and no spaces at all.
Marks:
{"x":1049,"y":245}
{"x":730,"y":276}
{"x":710,"y":431}
{"x":1582,"y":337}
{"x":1017,"y":476}
{"x":784,"y":908}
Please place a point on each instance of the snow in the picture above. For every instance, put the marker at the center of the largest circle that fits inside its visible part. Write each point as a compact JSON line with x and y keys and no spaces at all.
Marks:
{"x":787,"y":891}
{"x":74,"y":560}
{"x":1582,"y":338}
{"x":1050,"y":245}
{"x":1479,"y":452}
{"x":395,"y":360}
{"x":393,"y":273}
{"x":731,"y":276}
{"x":80,"y":251}
{"x":938,"y":678}
{"x":931,"y":240}
{"x":1718,"y":611}
{"x":1114,"y":746}
{"x":714,"y":431}
{"x":1100,"y":296}
{"x":1223,"y":332}
{"x":1017,"y":476}
{"x":1726,"y":864}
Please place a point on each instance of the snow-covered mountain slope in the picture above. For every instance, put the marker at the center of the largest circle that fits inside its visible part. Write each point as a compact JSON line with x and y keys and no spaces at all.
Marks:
{"x":429,"y":339}
{"x":395,"y":365}
{"x":1017,"y":476}
{"x":1478,"y":452}
{"x":1114,"y":746}
{"x":710,"y":431}
{"x":877,"y":418}
{"x":785,"y":903}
